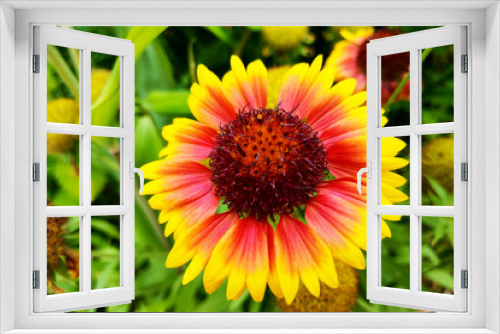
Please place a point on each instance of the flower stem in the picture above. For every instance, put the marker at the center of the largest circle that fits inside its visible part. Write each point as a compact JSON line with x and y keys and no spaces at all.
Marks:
{"x":64,"y":71}
{"x":192,"y":61}
{"x":241,"y":45}
{"x":152,"y":220}
{"x":403,"y":82}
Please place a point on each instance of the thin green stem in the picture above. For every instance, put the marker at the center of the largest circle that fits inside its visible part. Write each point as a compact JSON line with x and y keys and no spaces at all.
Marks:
{"x":192,"y":62}
{"x":64,"y":71}
{"x":403,"y":82}
{"x":241,"y":45}
{"x":75,"y":59}
{"x":152,"y":220}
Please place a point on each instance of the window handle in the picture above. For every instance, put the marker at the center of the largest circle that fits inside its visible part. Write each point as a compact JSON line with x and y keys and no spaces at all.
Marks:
{"x":138,"y":171}
{"x":368,"y":171}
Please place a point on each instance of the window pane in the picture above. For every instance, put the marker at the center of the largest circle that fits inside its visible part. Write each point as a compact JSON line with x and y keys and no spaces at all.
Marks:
{"x":105,"y":246}
{"x":63,"y":255}
{"x":437,"y":254}
{"x":395,"y":170}
{"x":395,"y":253}
{"x":105,"y":102}
{"x":105,"y":171}
{"x":437,"y":84}
{"x":395,"y":89}
{"x":438,"y":169}
{"x":63,"y":86}
{"x":63,"y":169}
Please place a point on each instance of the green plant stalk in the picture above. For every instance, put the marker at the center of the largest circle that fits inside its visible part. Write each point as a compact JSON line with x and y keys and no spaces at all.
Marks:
{"x":243,"y":42}
{"x":64,"y":71}
{"x":140,"y":200}
{"x":192,"y":62}
{"x":403,"y":82}
{"x":75,"y":59}
{"x":152,"y":220}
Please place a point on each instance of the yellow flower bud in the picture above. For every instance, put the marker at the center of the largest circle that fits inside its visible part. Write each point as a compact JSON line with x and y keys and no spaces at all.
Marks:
{"x":62,"y":110}
{"x":284,"y":38}
{"x":437,"y":162}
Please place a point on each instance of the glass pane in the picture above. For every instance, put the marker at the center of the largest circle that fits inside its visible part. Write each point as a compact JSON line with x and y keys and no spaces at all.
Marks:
{"x":395,"y":170}
{"x":437,"y":254}
{"x":63,"y":255}
{"x":105,"y":171}
{"x":437,"y":169}
{"x":105,"y":247}
{"x":105,"y":102}
{"x":63,"y":170}
{"x":63,"y":85}
{"x":437,"y":84}
{"x":395,"y":253}
{"x":395,"y":89}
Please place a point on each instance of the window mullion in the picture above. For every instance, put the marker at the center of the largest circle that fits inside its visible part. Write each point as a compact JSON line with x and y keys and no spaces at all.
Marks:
{"x":85,"y":164}
{"x":414,"y":169}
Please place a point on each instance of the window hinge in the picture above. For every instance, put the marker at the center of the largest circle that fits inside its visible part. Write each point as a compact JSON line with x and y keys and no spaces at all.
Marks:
{"x":36,"y":172}
{"x":465,"y":279}
{"x":464,"y":171}
{"x":465,"y":64}
{"x":36,"y":279}
{"x":36,"y":63}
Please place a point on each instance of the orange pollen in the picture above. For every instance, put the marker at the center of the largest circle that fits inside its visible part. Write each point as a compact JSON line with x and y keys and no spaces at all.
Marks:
{"x":267,"y":162}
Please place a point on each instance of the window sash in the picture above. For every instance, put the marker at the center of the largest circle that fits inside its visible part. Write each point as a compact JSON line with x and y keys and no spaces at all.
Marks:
{"x":413,"y":43}
{"x":86,"y":43}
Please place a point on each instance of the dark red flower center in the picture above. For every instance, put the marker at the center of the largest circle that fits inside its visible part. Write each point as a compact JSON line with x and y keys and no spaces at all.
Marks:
{"x":267,"y":162}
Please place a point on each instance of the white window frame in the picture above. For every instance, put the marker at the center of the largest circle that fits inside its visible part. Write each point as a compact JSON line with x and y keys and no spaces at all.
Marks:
{"x":484,"y":103}
{"x":414,"y":43}
{"x":85,"y":43}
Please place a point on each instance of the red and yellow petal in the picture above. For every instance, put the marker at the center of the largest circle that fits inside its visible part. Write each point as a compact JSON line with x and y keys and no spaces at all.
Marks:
{"x":300,"y":253}
{"x":246,"y":87}
{"x":176,"y":184}
{"x":208,"y":102}
{"x":188,"y":140}
{"x":304,"y":87}
{"x":198,"y":242}
{"x":182,"y":217}
{"x":242,"y":256}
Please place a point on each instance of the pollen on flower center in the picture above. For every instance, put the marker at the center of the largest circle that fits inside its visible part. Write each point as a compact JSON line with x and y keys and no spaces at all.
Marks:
{"x":266,"y":162}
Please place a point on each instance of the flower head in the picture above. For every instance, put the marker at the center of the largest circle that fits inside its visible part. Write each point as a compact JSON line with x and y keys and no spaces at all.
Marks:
{"x":349,"y":58}
{"x":265,"y":196}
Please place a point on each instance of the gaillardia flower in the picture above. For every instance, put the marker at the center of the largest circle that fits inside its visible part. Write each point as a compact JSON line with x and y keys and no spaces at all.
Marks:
{"x":266,"y":196}
{"x":349,"y":58}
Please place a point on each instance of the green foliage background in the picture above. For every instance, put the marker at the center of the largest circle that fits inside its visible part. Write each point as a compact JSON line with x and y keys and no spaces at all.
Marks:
{"x":166,"y":59}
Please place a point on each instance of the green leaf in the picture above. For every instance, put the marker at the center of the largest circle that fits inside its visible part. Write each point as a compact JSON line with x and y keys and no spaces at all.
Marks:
{"x":222,"y":207}
{"x":430,"y":254}
{"x":439,"y":190}
{"x":441,"y":277}
{"x":224,"y":34}
{"x":440,"y":232}
{"x":98,"y":183}
{"x":148,"y":142}
{"x":274,"y":220}
{"x":328,"y":176}
{"x":173,"y":102}
{"x":105,"y":227}
{"x":105,"y":108}
{"x":153,"y":71}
